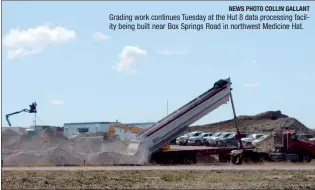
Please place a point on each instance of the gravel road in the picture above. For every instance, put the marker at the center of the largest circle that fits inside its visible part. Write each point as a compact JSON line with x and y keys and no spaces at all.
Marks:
{"x":192,"y":167}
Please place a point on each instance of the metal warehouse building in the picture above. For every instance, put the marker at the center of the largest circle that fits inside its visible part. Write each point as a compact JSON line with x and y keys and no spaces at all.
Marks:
{"x":72,"y":129}
{"x":144,"y":125}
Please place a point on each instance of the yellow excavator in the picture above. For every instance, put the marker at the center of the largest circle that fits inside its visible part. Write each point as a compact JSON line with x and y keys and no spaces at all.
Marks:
{"x":128,"y":128}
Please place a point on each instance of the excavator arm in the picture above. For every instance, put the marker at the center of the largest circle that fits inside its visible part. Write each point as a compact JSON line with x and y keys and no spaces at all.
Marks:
{"x":31,"y":110}
{"x":17,"y":112}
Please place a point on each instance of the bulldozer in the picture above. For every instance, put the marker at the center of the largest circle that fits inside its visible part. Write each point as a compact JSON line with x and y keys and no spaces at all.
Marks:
{"x":127,"y":128}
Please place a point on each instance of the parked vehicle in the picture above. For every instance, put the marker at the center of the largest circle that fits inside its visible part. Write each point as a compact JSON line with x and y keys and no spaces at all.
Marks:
{"x":197,"y":140}
{"x":230,"y":141}
{"x":183,"y":140}
{"x":214,"y":141}
{"x":204,"y":138}
{"x":248,"y":140}
{"x":207,"y":139}
{"x":257,"y":141}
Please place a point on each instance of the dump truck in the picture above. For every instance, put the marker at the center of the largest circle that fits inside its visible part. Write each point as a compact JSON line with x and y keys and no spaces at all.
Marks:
{"x":148,"y":145}
{"x":149,"y":142}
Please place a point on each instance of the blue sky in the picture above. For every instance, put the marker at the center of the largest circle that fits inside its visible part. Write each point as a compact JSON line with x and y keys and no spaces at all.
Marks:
{"x":270,"y":70}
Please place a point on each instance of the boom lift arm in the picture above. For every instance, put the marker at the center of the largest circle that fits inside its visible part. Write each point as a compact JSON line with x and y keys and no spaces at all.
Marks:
{"x":31,"y":110}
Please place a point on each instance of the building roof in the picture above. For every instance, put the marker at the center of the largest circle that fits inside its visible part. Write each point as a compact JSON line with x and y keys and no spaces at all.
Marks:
{"x":89,"y":123}
{"x":145,"y":123}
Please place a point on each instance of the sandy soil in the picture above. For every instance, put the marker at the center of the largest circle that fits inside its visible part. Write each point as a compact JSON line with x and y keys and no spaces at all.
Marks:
{"x":218,"y":179}
{"x":221,"y":166}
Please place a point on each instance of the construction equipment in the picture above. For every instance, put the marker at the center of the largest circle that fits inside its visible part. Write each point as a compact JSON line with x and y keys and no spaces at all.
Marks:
{"x":288,"y":147}
{"x":31,"y":110}
{"x":150,"y":141}
{"x":126,"y":128}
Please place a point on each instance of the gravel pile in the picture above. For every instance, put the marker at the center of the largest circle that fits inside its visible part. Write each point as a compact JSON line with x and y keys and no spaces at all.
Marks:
{"x":10,"y":133}
{"x":266,"y":122}
{"x":62,"y":156}
{"x":51,"y":147}
{"x":24,"y":158}
{"x":10,"y":138}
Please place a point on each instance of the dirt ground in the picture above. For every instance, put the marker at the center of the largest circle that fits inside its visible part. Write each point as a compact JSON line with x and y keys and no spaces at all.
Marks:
{"x":50,"y":147}
{"x":274,"y":179}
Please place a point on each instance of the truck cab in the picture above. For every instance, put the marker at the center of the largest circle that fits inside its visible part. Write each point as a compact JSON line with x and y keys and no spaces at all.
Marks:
{"x":289,"y":146}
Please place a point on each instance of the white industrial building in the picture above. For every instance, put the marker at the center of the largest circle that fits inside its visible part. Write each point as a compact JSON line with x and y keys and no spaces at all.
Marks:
{"x":72,"y":129}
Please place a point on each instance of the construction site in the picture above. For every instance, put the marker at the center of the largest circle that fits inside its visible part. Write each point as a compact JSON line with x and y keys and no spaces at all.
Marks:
{"x":156,"y":144}
{"x":171,"y":141}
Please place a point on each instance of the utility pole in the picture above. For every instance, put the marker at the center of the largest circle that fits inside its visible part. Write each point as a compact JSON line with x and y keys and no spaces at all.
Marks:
{"x":34,"y":120}
{"x":166,"y":107}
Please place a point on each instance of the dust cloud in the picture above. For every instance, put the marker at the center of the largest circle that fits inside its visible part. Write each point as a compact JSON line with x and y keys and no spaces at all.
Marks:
{"x":50,"y":147}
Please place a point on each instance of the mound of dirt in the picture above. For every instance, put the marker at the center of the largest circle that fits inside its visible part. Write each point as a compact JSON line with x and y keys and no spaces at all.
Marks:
{"x":62,"y":156}
{"x":104,"y":158}
{"x":266,"y":122}
{"x":55,"y":156}
{"x":24,"y":158}
{"x":10,"y":138}
{"x":50,"y":146}
{"x":84,"y":145}
{"x":9,"y":133}
{"x":113,"y":158}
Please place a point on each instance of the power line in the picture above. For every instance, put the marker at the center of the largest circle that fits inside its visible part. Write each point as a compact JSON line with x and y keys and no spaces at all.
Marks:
{"x":40,"y":120}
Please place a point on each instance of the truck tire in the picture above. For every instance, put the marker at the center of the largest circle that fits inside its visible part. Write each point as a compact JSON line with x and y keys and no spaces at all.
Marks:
{"x":237,"y":159}
{"x":305,"y":157}
{"x":153,"y":162}
{"x":170,"y":162}
{"x":188,"y":162}
{"x":236,"y":156}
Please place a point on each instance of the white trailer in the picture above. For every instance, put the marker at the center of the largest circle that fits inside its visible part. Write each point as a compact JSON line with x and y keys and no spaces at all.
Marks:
{"x":168,"y":128}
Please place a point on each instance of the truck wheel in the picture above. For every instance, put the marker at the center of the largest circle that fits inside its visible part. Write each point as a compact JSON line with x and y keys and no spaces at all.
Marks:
{"x":153,"y":162}
{"x":237,"y":159}
{"x":188,"y":162}
{"x":170,"y":161}
{"x":305,"y":157}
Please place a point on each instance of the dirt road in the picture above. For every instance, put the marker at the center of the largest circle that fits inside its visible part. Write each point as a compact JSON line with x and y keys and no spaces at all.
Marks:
{"x":169,"y":168}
